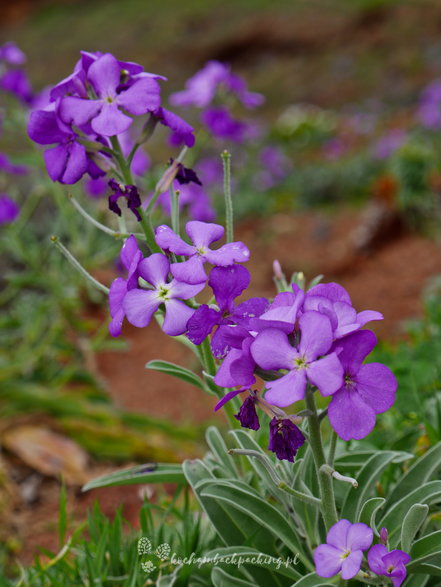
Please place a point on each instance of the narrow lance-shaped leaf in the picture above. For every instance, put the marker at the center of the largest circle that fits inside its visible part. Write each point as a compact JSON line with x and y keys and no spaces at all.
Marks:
{"x":176,"y":371}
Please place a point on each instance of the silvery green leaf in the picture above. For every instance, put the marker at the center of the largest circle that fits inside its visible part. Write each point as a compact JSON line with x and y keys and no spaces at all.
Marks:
{"x":148,"y":473}
{"x":412,"y":523}
{"x":426,"y":551}
{"x":394,"y":516}
{"x":221,"y":578}
{"x":176,"y":371}
{"x":369,"y":510}
{"x":220,"y":450}
{"x":312,"y":580}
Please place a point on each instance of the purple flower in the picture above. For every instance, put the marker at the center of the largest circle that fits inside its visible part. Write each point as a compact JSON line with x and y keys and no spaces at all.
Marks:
{"x":429,"y":110}
{"x":186,"y":175}
{"x":367,"y":390}
{"x":182,"y":132}
{"x":8,"y":167}
{"x":16,"y":82}
{"x":227,"y":283}
{"x":390,"y":564}
{"x":105,"y":113}
{"x":222,"y":125}
{"x":11,"y":54}
{"x":272,"y":350}
{"x":140,"y":305}
{"x":285,"y":439}
{"x":67,"y":162}
{"x":334,"y":301}
{"x":129,"y":192}
{"x":96,"y":187}
{"x":343,"y":551}
{"x":275,"y":167}
{"x":202,"y":235}
{"x":9,"y":210}
{"x":247,"y":414}
{"x":200,"y":90}
{"x":283,"y":312}
{"x":238,"y":366}
{"x":130,"y":257}
{"x":389,"y":143}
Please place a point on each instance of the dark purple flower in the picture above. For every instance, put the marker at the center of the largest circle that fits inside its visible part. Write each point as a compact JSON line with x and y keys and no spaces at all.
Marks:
{"x":222,"y":125}
{"x":106,"y":113}
{"x":272,"y":350}
{"x":247,"y":414}
{"x":129,"y":192}
{"x":130,"y":257}
{"x":67,"y":162}
{"x":140,"y":305}
{"x":9,"y":210}
{"x":343,"y":551}
{"x":285,"y":439}
{"x":202,"y":234}
{"x":367,"y":390}
{"x":186,"y":175}
{"x":389,"y":564}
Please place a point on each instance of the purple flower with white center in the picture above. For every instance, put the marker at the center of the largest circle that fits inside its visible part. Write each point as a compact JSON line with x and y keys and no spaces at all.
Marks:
{"x":129,"y":192}
{"x":247,"y":414}
{"x":140,"y":305}
{"x":272,"y":350}
{"x":343,"y":551}
{"x":9,"y":210}
{"x":227,"y":284}
{"x":367,"y":390}
{"x":105,"y":113}
{"x":202,"y":234}
{"x":67,"y":162}
{"x":130,"y":257}
{"x":334,"y":301}
{"x":222,"y":125}
{"x":285,"y":439}
{"x":389,"y":564}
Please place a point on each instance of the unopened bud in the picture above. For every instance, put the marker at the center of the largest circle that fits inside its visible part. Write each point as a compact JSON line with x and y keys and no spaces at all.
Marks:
{"x":383,"y":536}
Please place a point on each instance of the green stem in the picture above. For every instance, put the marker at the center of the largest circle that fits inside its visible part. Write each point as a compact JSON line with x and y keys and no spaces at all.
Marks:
{"x":332,"y":447}
{"x":299,"y":494}
{"x":226,"y":158}
{"x":174,"y":201}
{"x":78,"y":265}
{"x":328,"y":508}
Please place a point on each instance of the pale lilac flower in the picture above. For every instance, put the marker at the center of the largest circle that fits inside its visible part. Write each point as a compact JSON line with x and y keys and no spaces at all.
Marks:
{"x":140,"y":305}
{"x":202,"y":235}
{"x":389,"y":564}
{"x":343,"y":551}
{"x":367,"y":390}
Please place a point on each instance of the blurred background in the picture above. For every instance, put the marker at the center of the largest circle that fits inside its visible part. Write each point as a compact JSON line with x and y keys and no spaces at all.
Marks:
{"x":338,"y":173}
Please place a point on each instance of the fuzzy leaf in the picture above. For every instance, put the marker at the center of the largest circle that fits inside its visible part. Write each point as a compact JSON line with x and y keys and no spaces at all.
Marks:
{"x":369,"y":510}
{"x":393,"y":518}
{"x":176,"y":371}
{"x":367,"y":478}
{"x":417,"y":474}
{"x":412,"y":523}
{"x":426,"y":550}
{"x":312,"y":580}
{"x":220,"y":450}
{"x":220,"y":578}
{"x":149,"y":473}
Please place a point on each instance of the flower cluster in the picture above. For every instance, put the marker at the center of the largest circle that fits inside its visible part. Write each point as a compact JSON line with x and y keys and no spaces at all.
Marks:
{"x":343,"y":553}
{"x":202,"y":90}
{"x":297,"y":343}
{"x":12,"y":77}
{"x":95,"y":103}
